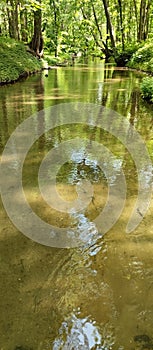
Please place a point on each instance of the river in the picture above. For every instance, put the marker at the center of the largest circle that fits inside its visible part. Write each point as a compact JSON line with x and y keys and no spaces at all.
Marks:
{"x":99,"y":294}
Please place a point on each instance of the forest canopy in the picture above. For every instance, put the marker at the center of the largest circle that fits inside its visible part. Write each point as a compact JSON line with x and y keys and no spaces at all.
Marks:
{"x":68,"y":27}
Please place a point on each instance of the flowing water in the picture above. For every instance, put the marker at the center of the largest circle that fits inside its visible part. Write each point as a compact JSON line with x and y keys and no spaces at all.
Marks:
{"x":98,"y":295}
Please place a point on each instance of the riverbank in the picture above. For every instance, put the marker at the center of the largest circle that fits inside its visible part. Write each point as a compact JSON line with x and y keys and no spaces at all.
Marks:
{"x":142,"y":60}
{"x":15,"y":61}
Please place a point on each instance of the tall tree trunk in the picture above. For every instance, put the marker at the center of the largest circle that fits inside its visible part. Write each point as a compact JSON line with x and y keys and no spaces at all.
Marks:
{"x":109,"y":24}
{"x":107,"y":28}
{"x":96,"y":21}
{"x":136,"y":16}
{"x":121,"y":23}
{"x":12,"y":12}
{"x":36,"y":43}
{"x":141,"y":20}
{"x":56,"y":24}
{"x":144,"y":19}
{"x":23,"y":24}
{"x":16,"y":20}
{"x":56,"y":29}
{"x":147,"y":18}
{"x":106,"y":50}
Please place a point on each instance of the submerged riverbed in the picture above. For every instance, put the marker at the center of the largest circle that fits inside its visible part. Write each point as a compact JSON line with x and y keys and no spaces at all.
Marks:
{"x":98,"y":295}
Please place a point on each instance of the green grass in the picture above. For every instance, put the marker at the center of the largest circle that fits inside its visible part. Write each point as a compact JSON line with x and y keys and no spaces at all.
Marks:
{"x":15,"y":61}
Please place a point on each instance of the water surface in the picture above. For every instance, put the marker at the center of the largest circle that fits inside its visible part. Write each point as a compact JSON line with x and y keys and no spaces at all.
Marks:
{"x":100,"y":295}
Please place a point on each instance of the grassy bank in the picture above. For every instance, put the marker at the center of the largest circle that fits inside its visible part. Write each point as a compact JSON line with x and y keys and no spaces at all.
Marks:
{"x":15,"y":61}
{"x":142,"y":60}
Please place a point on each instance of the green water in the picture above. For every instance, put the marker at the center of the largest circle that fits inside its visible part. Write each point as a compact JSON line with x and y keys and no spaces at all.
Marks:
{"x":98,"y":296}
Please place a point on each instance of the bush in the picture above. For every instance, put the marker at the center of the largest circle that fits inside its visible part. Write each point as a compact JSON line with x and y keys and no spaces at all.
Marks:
{"x":150,"y":65}
{"x":15,"y":61}
{"x":52,"y":61}
{"x":143,"y":54}
{"x":143,"y":58}
{"x":122,"y":57}
{"x":147,"y":88}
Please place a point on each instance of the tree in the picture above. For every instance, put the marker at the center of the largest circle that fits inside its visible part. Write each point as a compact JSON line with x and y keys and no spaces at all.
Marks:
{"x":12,"y":12}
{"x":94,"y":27}
{"x":36,"y":43}
{"x":145,"y":6}
{"x":121,"y":23}
{"x":23,"y":24}
{"x":109,"y":23}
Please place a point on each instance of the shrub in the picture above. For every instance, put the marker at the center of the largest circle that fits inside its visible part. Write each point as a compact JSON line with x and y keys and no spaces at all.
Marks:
{"x":147,"y":88}
{"x":15,"y":61}
{"x":122,"y":57}
{"x":143,"y":54}
{"x":150,"y":65}
{"x":143,"y":58}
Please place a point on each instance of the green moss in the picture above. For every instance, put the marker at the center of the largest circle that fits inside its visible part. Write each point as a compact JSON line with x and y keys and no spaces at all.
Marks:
{"x":15,"y":61}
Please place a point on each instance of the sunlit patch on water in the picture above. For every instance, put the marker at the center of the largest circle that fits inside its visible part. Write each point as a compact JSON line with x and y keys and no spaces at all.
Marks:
{"x":83,"y":334}
{"x":86,"y":231}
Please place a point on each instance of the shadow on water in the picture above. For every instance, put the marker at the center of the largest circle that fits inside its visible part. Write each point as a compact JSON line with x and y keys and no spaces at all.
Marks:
{"x":98,"y":296}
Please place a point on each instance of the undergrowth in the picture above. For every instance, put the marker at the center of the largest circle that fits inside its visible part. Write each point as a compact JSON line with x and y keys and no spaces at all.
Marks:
{"x":15,"y":61}
{"x":143,"y":58}
{"x":147,"y":88}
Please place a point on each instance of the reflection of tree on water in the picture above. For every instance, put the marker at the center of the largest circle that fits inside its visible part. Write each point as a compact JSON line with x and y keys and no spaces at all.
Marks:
{"x":42,"y":289}
{"x":39,"y":92}
{"x":82,"y":334}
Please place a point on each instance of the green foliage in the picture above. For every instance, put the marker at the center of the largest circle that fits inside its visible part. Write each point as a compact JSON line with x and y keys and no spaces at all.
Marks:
{"x":122,"y":58}
{"x":150,"y":65}
{"x":15,"y":61}
{"x":70,"y":27}
{"x":147,"y":88}
{"x":143,"y":54}
{"x":52,"y":61}
{"x":143,"y":58}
